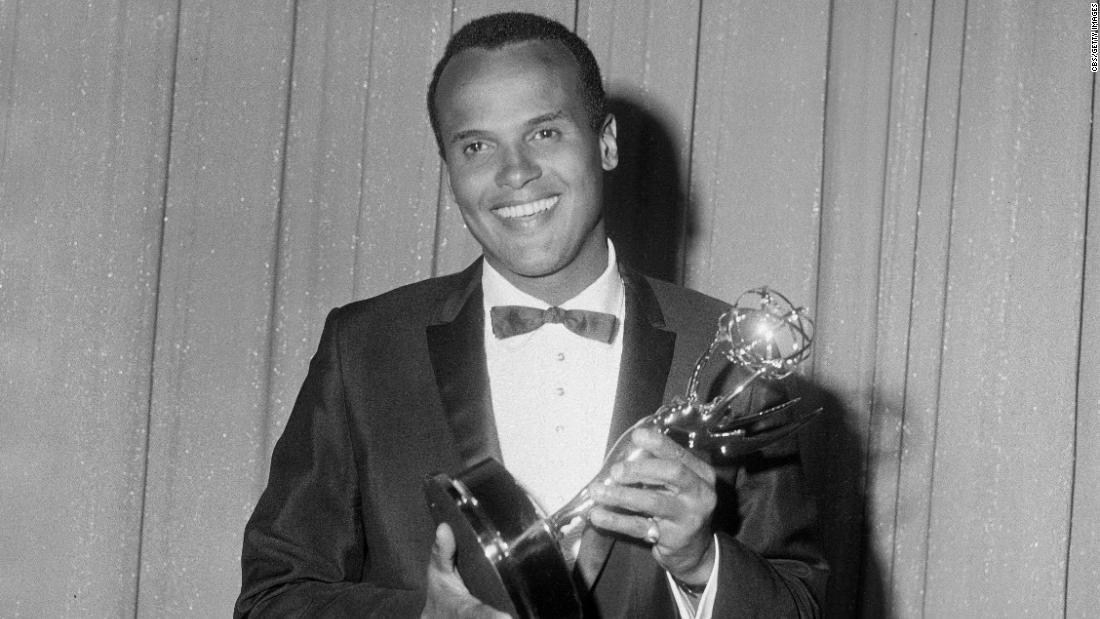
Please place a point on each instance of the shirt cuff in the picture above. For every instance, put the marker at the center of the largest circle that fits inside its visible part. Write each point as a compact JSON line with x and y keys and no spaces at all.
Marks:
{"x":705,"y":607}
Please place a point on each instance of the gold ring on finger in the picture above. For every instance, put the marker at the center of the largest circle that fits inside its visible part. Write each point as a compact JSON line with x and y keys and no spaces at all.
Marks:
{"x":653,"y":533}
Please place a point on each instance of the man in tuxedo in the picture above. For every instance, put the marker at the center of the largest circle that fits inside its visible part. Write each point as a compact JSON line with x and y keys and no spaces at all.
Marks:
{"x":538,"y":354}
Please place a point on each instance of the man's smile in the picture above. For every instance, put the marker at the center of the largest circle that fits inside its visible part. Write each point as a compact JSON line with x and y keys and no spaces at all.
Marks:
{"x":526,"y":209}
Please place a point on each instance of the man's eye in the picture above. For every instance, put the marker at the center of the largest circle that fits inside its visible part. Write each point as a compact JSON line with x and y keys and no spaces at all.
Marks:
{"x":546,"y":134}
{"x":474,"y":148}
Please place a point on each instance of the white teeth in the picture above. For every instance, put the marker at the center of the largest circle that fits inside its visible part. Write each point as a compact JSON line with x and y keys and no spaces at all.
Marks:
{"x":526,"y":210}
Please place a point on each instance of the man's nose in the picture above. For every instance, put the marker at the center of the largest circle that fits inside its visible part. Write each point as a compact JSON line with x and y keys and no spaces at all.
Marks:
{"x":517,"y":168}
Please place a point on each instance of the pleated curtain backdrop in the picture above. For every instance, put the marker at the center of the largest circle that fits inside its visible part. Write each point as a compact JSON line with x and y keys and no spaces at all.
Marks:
{"x":187,"y":187}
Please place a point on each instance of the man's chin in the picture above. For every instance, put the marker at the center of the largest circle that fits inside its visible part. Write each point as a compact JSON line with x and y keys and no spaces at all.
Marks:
{"x":533,"y":272}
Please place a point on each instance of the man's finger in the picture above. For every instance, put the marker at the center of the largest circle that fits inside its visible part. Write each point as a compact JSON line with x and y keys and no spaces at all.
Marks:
{"x":639,"y":500}
{"x":666,"y":449}
{"x":443,"y":550}
{"x":626,"y":524}
{"x":654,"y":472}
{"x":447,"y":594}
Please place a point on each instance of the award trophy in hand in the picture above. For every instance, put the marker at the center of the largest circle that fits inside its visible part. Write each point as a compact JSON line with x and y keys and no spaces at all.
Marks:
{"x":514,"y":558}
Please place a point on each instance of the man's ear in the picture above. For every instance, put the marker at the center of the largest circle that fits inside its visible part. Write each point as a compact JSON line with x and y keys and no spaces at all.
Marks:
{"x":609,"y":145}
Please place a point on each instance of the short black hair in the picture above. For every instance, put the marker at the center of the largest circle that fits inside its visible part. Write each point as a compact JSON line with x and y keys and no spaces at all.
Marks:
{"x":496,"y":31}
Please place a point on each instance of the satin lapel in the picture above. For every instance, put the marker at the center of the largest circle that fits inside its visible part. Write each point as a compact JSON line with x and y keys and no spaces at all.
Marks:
{"x":457,"y":350}
{"x":648,"y":347}
{"x":647,"y":356}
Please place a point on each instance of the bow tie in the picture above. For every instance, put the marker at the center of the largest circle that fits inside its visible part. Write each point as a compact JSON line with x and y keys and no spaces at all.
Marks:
{"x":509,"y":320}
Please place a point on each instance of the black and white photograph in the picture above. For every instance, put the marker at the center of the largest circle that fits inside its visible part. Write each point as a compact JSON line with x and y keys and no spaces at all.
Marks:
{"x":669,"y":309}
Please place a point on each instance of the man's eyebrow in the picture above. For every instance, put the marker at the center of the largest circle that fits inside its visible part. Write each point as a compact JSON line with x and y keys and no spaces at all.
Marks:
{"x":543,"y":118}
{"x":463,"y":135}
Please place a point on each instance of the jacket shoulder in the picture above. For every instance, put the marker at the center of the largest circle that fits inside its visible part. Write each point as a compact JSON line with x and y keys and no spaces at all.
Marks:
{"x":412,"y":305}
{"x":684,"y":308}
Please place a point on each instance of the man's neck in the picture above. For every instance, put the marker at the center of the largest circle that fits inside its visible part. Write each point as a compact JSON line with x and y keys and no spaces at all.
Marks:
{"x":560,"y":286}
{"x":550,"y":291}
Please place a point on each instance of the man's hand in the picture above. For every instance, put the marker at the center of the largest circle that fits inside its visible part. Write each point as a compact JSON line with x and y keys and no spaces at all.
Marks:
{"x":665,"y":496}
{"x":448,"y":596}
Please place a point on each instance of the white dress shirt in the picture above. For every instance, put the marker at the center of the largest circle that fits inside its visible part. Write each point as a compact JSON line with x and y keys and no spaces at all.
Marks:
{"x":553,"y":393}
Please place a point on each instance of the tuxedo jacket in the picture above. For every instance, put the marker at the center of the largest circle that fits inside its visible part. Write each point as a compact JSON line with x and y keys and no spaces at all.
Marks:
{"x":398,"y":390}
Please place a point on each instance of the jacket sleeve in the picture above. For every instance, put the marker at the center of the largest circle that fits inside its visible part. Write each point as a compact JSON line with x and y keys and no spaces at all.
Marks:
{"x":304,"y":551}
{"x":772,"y":563}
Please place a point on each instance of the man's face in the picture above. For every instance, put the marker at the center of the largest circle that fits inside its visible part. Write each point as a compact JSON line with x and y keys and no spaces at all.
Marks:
{"x":525,"y":166}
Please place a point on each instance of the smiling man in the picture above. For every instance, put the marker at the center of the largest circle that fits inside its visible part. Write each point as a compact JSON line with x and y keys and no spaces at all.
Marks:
{"x":525,"y":164}
{"x":536,"y":355}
